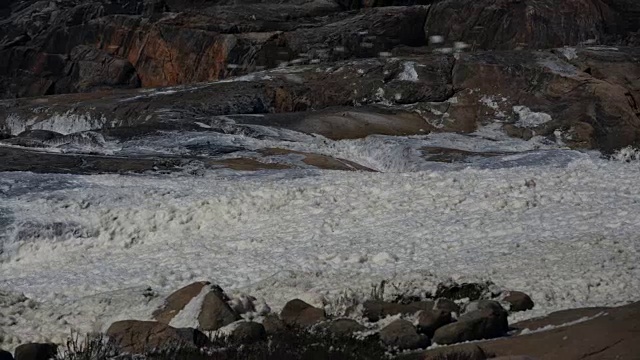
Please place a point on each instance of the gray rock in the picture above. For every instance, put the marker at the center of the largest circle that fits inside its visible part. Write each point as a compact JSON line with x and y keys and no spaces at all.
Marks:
{"x":215,"y":312}
{"x":491,"y":305}
{"x":36,"y":351}
{"x":300,"y":314}
{"x":486,"y":320}
{"x":430,"y":321}
{"x":446,"y":305}
{"x":403,"y":335}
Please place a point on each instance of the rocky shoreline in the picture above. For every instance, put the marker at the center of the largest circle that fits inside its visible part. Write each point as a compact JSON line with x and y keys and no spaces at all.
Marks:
{"x":170,"y":86}
{"x":533,"y":68}
{"x":468,"y":314}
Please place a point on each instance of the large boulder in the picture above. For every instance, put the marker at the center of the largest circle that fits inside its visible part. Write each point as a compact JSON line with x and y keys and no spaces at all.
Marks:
{"x":139,"y":337}
{"x":485,"y":319}
{"x":207,"y":308}
{"x":430,"y":320}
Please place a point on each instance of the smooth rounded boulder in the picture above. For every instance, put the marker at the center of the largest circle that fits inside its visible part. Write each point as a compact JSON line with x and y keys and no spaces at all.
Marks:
{"x":484,"y":319}
{"x":402,"y":334}
{"x":298,"y":313}
{"x":518,"y":301}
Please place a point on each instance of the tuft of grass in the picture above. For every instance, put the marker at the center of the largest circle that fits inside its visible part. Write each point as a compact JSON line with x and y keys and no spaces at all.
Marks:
{"x":92,"y":347}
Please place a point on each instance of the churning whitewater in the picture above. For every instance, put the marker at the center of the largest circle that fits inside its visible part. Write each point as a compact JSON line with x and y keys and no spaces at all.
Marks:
{"x":84,"y":248}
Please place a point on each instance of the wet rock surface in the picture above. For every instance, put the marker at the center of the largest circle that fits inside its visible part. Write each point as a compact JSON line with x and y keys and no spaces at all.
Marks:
{"x":427,"y":66}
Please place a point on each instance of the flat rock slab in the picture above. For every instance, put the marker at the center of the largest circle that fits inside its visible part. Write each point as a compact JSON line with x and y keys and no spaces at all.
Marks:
{"x":559,"y":318}
{"x":613,"y":335}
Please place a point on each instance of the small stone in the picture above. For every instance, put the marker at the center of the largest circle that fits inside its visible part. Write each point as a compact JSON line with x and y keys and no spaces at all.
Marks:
{"x":519,"y":301}
{"x":430,"y":321}
{"x":299,"y":313}
{"x":248,"y":332}
{"x":36,"y":351}
{"x":403,"y":335}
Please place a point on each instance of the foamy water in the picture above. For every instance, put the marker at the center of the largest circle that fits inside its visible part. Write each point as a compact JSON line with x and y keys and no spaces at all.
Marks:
{"x":85,"y":247}
{"x":558,"y":224}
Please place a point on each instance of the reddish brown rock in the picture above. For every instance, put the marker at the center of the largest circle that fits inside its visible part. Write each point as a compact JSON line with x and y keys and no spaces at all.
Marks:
{"x":177,"y":301}
{"x":518,"y":301}
{"x":612,"y":335}
{"x":214,"y":311}
{"x":141,"y":336}
{"x":298,"y":313}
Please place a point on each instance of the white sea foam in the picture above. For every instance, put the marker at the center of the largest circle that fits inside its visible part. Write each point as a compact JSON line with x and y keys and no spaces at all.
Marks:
{"x":570,"y":240}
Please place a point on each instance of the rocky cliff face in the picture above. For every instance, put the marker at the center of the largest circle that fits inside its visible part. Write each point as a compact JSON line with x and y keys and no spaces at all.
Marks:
{"x":457,"y":63}
{"x":43,"y":44}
